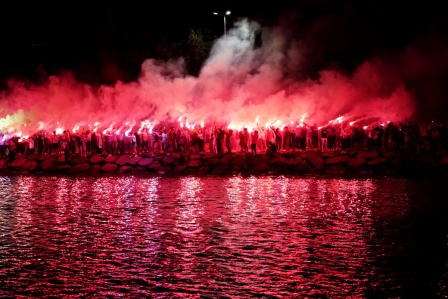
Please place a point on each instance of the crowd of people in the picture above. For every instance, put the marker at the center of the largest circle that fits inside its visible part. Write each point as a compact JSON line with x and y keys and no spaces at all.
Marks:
{"x":413,"y":136}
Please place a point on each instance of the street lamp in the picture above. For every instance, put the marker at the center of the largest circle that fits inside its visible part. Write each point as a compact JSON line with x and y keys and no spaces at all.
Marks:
{"x":223,"y":15}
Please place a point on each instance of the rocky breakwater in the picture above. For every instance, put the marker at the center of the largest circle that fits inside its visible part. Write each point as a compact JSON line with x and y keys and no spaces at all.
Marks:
{"x":294,"y":163}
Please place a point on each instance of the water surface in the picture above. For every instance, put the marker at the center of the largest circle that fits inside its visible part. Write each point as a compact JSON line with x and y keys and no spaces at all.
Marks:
{"x":235,"y":237}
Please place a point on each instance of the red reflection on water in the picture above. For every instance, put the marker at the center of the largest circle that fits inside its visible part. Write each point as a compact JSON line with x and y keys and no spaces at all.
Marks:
{"x":275,"y":236}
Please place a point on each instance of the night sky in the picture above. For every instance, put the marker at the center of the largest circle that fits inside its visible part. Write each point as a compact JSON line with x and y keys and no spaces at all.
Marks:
{"x":102,"y":42}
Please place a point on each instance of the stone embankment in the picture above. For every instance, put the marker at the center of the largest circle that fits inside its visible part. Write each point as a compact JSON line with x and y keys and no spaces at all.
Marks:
{"x":202,"y":164}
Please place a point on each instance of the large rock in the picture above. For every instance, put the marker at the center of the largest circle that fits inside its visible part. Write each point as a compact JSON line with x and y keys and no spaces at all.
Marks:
{"x":134,"y":160}
{"x":145,"y":162}
{"x":221,"y":170}
{"x":49,"y":165}
{"x":179,"y":169}
{"x":378,"y":161}
{"x":17,"y":163}
{"x":61,"y":159}
{"x":139,"y":170}
{"x":337,"y":160}
{"x":212,"y":161}
{"x":110,"y":159}
{"x":125,"y":169}
{"x":64,"y":167}
{"x":43,"y":157}
{"x":427,"y":161}
{"x":31,"y":166}
{"x":239,"y":161}
{"x":335,"y":170}
{"x":207,"y":155}
{"x":301,"y":167}
{"x":444,"y":161}
{"x":3,"y":165}
{"x":278,"y":159}
{"x":97,"y":159}
{"x":155,"y":165}
{"x":79,"y":168}
{"x":123,"y":160}
{"x":77,"y":159}
{"x":227,"y":159}
{"x":109,"y":167}
{"x":356,"y":162}
{"x":177,"y":156}
{"x":253,"y":160}
{"x":204,"y":170}
{"x":195,"y":163}
{"x":391,"y":155}
{"x":368,"y":155}
{"x":259,"y":169}
{"x":168,"y":160}
{"x":96,"y":168}
{"x":314,"y":160}
{"x":195,"y":157}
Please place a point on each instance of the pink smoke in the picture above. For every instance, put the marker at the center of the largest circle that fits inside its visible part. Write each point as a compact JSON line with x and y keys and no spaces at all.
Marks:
{"x":240,"y":84}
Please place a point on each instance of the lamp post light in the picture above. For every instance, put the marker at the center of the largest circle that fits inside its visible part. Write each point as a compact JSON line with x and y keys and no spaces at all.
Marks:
{"x":224,"y":16}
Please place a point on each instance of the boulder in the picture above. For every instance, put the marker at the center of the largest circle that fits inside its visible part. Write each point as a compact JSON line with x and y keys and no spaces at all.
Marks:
{"x":17,"y":163}
{"x":239,"y":161}
{"x":139,"y":170}
{"x":179,"y":169}
{"x":168,"y":160}
{"x":301,"y":168}
{"x":444,"y":161}
{"x":426,"y":160}
{"x":356,"y":162}
{"x":3,"y":165}
{"x":61,"y":159}
{"x":123,"y":160}
{"x":49,"y":165}
{"x":195,"y":157}
{"x":110,"y":159}
{"x":204,"y":170}
{"x":76,"y":159}
{"x":313,"y":159}
{"x":125,"y":169}
{"x":134,"y":160}
{"x":212,"y":161}
{"x":97,"y":159}
{"x":31,"y":166}
{"x":378,"y":161}
{"x":278,"y":159}
{"x":337,"y":160}
{"x":259,"y":169}
{"x":258,"y":159}
{"x":96,"y":168}
{"x":109,"y":167}
{"x":64,"y":167}
{"x":220,"y":170}
{"x":227,"y":159}
{"x":79,"y":168}
{"x":335,"y":170}
{"x":194,"y":163}
{"x":145,"y":161}
{"x":369,"y":155}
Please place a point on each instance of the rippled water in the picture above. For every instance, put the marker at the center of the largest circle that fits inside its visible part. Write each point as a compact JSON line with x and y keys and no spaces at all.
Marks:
{"x":235,"y":237}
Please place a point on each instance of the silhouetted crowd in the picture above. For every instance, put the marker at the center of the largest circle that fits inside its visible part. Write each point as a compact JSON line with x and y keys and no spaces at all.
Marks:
{"x":411,"y":136}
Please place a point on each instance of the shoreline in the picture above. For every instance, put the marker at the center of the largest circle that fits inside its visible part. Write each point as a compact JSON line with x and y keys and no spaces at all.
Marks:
{"x":299,"y":163}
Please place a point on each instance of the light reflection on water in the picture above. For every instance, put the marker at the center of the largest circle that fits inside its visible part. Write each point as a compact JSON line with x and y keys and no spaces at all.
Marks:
{"x":235,"y":237}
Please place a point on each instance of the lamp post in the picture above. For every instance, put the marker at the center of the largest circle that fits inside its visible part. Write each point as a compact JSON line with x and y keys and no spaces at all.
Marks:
{"x":224,"y":16}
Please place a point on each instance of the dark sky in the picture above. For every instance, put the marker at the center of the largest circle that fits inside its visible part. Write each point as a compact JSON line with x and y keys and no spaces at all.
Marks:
{"x":104,"y":41}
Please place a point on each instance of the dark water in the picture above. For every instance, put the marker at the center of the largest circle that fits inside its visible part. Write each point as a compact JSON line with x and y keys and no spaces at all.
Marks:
{"x":236,"y":237}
